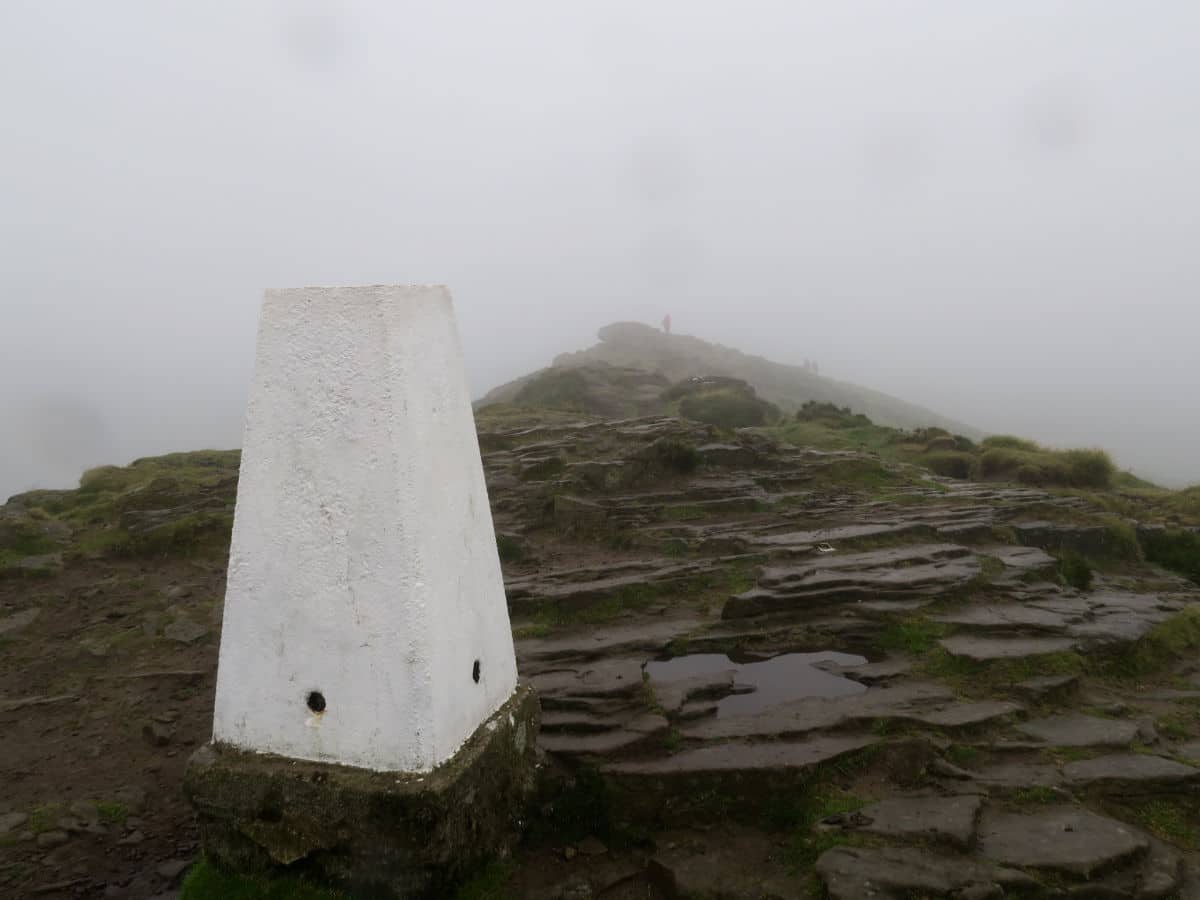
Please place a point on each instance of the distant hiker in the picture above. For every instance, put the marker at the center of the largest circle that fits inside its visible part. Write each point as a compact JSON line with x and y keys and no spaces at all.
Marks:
{"x":667,"y":323}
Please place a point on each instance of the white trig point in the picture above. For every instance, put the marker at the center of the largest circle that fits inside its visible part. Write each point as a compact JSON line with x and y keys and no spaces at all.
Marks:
{"x":365,"y":617}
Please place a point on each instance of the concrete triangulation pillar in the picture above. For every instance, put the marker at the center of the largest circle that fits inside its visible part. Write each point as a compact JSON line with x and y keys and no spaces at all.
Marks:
{"x":365,"y":621}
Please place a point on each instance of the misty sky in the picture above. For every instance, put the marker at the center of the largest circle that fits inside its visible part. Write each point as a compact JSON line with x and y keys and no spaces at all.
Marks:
{"x":988,"y":208}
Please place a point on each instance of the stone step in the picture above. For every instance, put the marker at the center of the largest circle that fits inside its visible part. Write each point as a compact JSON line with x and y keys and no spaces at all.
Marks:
{"x":1066,"y":840}
{"x":1130,"y":773}
{"x":943,"y":820}
{"x":1076,"y":730}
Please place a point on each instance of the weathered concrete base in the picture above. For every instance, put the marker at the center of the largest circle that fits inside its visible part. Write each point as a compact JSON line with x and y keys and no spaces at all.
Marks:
{"x":373,"y":834}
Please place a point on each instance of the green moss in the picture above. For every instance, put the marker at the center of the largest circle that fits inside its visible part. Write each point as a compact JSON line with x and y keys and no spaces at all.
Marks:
{"x":1074,"y":570}
{"x":1173,"y":727}
{"x":728,"y":407}
{"x":1009,"y":442}
{"x":1155,"y":651}
{"x":44,"y":818}
{"x":676,"y":456}
{"x":996,"y":676}
{"x":555,"y":389}
{"x":1035,"y":796}
{"x":1171,"y":820}
{"x":1174,"y":549}
{"x":510,"y":548}
{"x":490,"y":884}
{"x":207,"y":881}
{"x":112,"y":813}
{"x":914,"y":636}
{"x":963,"y":756}
{"x":950,"y":463}
{"x":675,"y":548}
{"x":532,"y":630}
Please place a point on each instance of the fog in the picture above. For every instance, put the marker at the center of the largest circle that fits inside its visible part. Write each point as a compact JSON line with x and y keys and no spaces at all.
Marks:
{"x":987,"y":208}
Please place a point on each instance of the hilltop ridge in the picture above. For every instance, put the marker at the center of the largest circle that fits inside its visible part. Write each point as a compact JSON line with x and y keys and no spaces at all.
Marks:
{"x":635,"y":346}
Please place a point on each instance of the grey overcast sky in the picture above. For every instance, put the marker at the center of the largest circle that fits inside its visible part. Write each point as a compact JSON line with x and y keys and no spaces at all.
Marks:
{"x":988,"y":208}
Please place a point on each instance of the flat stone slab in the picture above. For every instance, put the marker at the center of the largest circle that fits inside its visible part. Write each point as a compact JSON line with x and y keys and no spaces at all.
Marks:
{"x":1130,"y":770}
{"x":856,"y":873}
{"x":731,"y":862}
{"x":1081,"y":731}
{"x":920,"y":702}
{"x":986,"y":649}
{"x":625,"y":738}
{"x":617,"y":677}
{"x":949,"y":820}
{"x":963,"y":715}
{"x":1045,"y":685}
{"x":734,"y":756}
{"x":1064,"y":839}
{"x":1019,"y":775}
{"x":646,"y":638}
{"x":869,"y":673}
{"x":1005,"y":615}
{"x":20,"y":620}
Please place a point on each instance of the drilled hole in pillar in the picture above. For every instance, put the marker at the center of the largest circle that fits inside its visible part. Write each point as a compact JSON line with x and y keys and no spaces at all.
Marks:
{"x":316,"y":702}
{"x":475,"y":672}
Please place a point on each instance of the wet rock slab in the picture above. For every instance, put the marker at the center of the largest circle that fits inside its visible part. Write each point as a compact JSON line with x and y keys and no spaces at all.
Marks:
{"x":1130,"y":772}
{"x":948,"y":820}
{"x":735,"y":863}
{"x":921,"y":572}
{"x":1081,"y":731}
{"x":853,"y":873}
{"x":732,"y":757}
{"x":921,"y":703}
{"x":1065,"y":839}
{"x":986,"y":649}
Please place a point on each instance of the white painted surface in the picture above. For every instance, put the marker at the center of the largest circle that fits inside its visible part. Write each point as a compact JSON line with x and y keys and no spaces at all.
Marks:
{"x":364,"y":561}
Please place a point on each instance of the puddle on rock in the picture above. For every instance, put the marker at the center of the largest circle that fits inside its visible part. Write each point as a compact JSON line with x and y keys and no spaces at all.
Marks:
{"x":780,"y":679}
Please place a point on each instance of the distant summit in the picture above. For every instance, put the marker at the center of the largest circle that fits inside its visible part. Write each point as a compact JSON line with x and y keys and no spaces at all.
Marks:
{"x":632,"y":348}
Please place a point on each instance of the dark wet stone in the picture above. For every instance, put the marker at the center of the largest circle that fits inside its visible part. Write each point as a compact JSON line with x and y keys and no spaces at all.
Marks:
{"x":1016,"y":776}
{"x":917,"y":702}
{"x":853,"y":873}
{"x":734,"y":757}
{"x":19,"y":620}
{"x":1080,"y":731}
{"x":184,"y":631}
{"x":870,"y":673}
{"x":1189,"y":751}
{"x":634,"y":734}
{"x":1064,"y":839}
{"x":1130,"y":772}
{"x":644,"y":638}
{"x":735,"y":864}
{"x":12,"y":821}
{"x":948,"y":820}
{"x":49,"y":839}
{"x":1090,"y":540}
{"x":1046,"y":686}
{"x":894,"y":574}
{"x":749,"y":687}
{"x":172,"y":869}
{"x":985,"y":649}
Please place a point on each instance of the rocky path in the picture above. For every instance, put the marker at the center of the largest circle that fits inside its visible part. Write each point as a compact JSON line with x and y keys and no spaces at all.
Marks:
{"x":766,"y":671}
{"x":984,"y":730}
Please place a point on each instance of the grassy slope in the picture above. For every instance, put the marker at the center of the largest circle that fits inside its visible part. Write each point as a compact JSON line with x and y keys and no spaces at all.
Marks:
{"x":682,"y":356}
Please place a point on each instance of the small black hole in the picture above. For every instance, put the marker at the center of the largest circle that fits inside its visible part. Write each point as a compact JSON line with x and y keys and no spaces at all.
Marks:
{"x":475,"y":672}
{"x":316,"y":702}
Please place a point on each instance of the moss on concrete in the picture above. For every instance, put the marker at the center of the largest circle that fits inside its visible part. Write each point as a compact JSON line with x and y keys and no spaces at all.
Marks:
{"x":379,"y":834}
